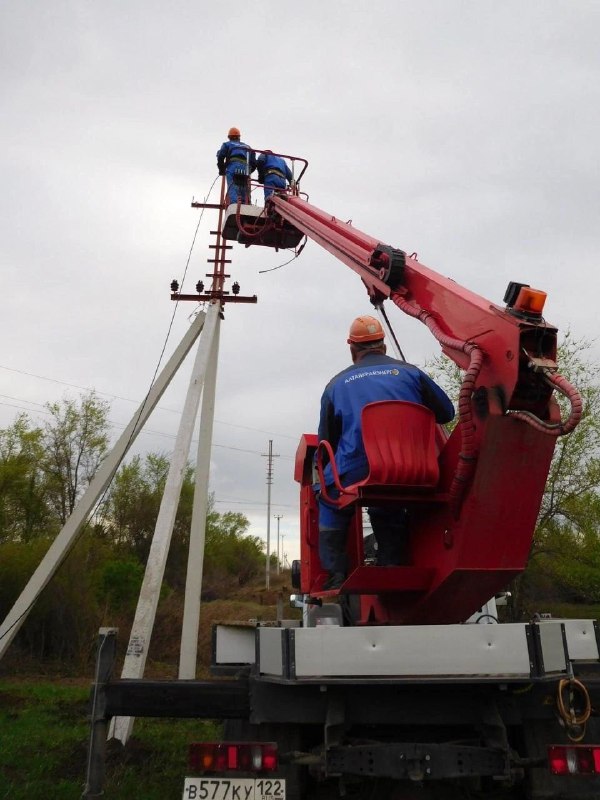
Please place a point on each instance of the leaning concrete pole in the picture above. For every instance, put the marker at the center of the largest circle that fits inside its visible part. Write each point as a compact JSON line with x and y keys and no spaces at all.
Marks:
{"x":64,"y":541}
{"x":193,"y":583}
{"x":141,"y":630}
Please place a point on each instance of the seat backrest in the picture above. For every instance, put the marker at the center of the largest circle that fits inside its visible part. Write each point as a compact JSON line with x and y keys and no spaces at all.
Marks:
{"x":399,"y":440}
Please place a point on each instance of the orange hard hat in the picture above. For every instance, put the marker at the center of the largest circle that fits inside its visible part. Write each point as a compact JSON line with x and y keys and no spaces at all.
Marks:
{"x":365,"y":329}
{"x":234,"y":132}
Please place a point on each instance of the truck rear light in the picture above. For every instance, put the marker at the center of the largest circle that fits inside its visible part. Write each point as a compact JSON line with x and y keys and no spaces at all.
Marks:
{"x":574,"y":759}
{"x":233,"y":756}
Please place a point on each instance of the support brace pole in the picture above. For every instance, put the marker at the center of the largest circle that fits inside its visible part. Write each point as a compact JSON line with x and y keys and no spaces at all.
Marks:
{"x":59,"y":549}
{"x":193,"y":584}
{"x":141,"y":630}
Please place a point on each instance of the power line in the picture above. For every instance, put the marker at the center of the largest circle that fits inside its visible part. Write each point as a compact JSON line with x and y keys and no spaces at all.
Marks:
{"x":130,"y":400}
{"x":117,"y":425}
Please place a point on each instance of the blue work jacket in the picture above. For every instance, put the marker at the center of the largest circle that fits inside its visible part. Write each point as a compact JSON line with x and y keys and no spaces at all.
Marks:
{"x":234,"y":154}
{"x":269,"y":164}
{"x":373,"y":378}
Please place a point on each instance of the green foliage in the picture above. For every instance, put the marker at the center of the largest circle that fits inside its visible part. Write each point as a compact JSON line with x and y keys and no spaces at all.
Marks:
{"x":574,"y":479}
{"x":24,"y":512}
{"x":132,"y":506}
{"x":75,"y":442}
{"x":63,"y":623}
{"x":43,"y":472}
{"x":229,"y":549}
{"x":118,"y":583}
{"x":44,"y":747}
{"x":130,"y":517}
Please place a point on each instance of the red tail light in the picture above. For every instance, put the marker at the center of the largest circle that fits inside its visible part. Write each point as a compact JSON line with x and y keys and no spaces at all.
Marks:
{"x":577,"y":759}
{"x":233,"y":756}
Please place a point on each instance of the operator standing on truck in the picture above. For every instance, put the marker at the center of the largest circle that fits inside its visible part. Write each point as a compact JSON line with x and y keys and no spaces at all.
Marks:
{"x":236,"y":161}
{"x":273,"y":172}
{"x":373,"y":376}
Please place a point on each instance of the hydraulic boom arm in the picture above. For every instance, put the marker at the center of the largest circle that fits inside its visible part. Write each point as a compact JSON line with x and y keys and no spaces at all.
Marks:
{"x":475,"y":535}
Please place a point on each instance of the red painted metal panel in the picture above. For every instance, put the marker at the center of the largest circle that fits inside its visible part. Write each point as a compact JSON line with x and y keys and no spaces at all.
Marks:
{"x":474,"y":533}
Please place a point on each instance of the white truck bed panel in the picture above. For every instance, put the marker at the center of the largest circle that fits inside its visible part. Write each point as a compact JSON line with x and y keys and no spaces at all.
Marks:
{"x":435,"y":650}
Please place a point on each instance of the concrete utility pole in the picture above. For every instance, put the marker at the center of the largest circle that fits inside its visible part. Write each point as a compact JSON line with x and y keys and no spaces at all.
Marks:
{"x":193,"y":584}
{"x":278,"y":517}
{"x":270,"y":456}
{"x":143,"y":623}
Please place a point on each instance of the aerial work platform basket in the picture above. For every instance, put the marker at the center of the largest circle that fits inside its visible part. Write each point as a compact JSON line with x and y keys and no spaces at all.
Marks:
{"x":251,"y":225}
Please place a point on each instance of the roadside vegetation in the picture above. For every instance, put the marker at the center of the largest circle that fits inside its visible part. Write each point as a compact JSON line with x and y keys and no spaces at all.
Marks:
{"x":43,"y":753}
{"x":46,"y":674}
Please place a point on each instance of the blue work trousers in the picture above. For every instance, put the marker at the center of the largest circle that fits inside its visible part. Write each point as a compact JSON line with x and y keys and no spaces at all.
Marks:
{"x":273,"y":182}
{"x":390,"y":528}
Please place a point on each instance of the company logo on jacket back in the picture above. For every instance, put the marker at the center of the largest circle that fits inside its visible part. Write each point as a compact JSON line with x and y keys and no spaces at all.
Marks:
{"x":372,"y":372}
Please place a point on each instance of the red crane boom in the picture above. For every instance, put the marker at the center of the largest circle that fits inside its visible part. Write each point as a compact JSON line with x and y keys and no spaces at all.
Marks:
{"x":473,"y":534}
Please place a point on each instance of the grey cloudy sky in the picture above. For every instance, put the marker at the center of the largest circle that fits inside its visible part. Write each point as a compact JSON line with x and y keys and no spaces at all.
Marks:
{"x":465,"y":131}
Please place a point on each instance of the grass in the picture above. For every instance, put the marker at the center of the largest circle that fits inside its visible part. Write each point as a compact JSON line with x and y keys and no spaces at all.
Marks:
{"x":44,"y":727}
{"x":43,"y":747}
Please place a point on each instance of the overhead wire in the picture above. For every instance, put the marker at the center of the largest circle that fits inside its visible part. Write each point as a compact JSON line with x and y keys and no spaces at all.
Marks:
{"x":125,"y":399}
{"x":285,"y":263}
{"x":146,"y":431}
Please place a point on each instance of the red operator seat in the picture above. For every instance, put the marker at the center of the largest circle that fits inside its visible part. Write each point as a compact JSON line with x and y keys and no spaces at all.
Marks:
{"x":399,"y":441}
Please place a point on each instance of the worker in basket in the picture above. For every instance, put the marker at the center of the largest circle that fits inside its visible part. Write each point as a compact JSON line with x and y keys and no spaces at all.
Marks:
{"x":273,"y":172}
{"x":373,"y":376}
{"x":236,"y":161}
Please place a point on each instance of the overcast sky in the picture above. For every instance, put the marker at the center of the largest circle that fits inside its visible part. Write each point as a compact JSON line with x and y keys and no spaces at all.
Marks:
{"x":466,"y":131}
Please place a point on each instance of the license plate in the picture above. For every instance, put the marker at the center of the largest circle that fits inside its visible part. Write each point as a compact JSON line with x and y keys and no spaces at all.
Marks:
{"x":234,"y":789}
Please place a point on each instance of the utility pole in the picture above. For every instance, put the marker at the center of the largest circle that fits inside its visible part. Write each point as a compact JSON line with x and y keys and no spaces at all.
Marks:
{"x":278,"y":517}
{"x":283,"y":558}
{"x":270,"y":456}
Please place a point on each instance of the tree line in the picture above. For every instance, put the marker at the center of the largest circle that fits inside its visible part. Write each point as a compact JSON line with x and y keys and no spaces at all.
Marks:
{"x":44,"y":469}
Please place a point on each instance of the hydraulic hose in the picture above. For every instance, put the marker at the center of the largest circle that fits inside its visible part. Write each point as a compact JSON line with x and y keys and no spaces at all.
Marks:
{"x":468,"y":455}
{"x":250,"y":232}
{"x":467,"y":458}
{"x":574,"y":722}
{"x":561,"y":428}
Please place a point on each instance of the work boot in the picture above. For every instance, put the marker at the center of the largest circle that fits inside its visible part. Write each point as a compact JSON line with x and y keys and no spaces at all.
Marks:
{"x":334,"y":581}
{"x":332,"y":550}
{"x":392,"y":535}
